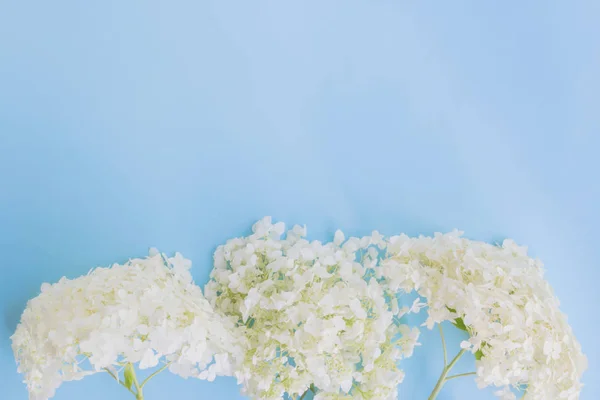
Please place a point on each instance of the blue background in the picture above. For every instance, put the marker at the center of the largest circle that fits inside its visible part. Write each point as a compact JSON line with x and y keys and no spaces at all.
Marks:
{"x":125,"y":125}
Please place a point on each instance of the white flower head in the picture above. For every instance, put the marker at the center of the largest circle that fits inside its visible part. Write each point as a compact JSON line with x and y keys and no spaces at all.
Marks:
{"x":147,"y":311}
{"x":313,"y":315}
{"x":498,"y":295}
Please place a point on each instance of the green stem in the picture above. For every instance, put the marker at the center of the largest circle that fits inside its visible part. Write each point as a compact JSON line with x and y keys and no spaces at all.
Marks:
{"x":154,"y":374}
{"x":442,"y":380}
{"x":139,"y":395}
{"x":443,"y":345}
{"x":116,"y":378}
{"x":459,"y":375}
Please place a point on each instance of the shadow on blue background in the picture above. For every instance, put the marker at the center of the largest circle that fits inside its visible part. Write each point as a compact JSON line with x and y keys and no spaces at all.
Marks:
{"x":137,"y":124}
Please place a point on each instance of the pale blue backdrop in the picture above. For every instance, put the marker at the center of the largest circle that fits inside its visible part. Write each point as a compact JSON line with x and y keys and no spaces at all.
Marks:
{"x":129,"y":124}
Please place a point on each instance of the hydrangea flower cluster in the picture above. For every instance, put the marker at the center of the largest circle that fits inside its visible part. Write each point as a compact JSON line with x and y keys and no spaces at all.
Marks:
{"x":312,"y":314}
{"x":287,"y":316}
{"x":499,"y":296}
{"x":147,"y":311}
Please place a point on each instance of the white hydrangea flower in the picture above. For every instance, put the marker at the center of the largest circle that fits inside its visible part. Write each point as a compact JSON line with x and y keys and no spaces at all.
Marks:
{"x":147,"y":311}
{"x":313,"y":315}
{"x":499,"y":296}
